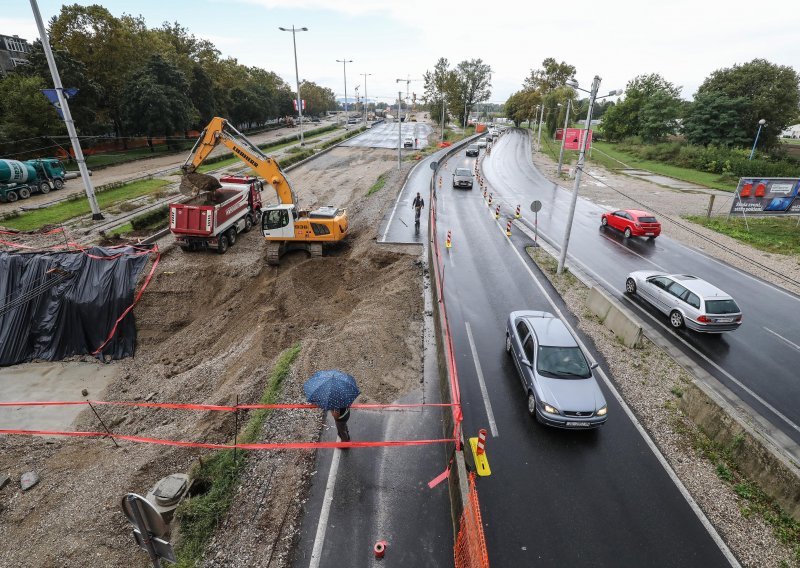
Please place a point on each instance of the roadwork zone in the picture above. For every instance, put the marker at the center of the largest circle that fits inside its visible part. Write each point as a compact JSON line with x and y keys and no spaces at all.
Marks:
{"x":481,"y":461}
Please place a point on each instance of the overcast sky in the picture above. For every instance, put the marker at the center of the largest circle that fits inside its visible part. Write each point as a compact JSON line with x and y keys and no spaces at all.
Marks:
{"x":684,"y":40}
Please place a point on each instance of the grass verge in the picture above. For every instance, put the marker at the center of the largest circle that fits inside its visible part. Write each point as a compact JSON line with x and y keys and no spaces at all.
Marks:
{"x":609,"y":156}
{"x":771,"y":234}
{"x":220,"y":473}
{"x":31,"y":220}
{"x":378,"y":185}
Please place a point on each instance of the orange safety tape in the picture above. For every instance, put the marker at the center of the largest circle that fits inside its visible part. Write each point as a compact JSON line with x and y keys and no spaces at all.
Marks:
{"x":217,"y":407}
{"x":274,"y":446}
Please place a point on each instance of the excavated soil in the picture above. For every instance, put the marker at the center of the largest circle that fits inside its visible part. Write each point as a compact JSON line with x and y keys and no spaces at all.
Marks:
{"x":210,"y":329}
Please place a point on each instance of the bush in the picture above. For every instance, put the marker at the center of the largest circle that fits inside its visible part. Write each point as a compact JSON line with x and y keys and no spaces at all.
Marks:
{"x":147,"y":220}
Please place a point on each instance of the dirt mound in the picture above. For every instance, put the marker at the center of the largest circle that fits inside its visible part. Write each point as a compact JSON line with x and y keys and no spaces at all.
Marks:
{"x":193,"y":184}
{"x":210,"y":328}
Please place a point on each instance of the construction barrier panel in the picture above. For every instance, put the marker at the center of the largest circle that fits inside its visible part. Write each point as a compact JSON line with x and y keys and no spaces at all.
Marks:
{"x":470,"y":549}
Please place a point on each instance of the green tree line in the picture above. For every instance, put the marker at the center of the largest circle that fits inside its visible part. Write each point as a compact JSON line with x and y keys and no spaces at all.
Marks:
{"x":456,"y":91}
{"x":136,"y":81}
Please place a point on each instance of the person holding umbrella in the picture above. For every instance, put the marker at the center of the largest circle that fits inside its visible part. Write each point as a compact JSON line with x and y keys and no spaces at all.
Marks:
{"x":333,"y":390}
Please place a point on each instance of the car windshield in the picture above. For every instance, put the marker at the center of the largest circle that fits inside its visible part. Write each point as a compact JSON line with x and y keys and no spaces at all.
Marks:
{"x":473,"y":147}
{"x":562,"y":362}
{"x":463,"y":172}
{"x":721,"y":307}
{"x":647,"y":220}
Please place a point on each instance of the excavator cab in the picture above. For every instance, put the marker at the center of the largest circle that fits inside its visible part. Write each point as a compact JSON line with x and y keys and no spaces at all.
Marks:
{"x":277,"y":222}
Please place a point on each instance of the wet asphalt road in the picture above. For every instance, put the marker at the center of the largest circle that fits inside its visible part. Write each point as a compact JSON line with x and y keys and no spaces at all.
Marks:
{"x":385,"y":135}
{"x":555,"y":498}
{"x":757,"y":362}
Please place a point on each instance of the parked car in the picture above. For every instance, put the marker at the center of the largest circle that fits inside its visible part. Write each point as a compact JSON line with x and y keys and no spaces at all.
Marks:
{"x":632,"y":222}
{"x":687,"y":300}
{"x":462,"y":177}
{"x":472,"y":150}
{"x":558,"y":381}
{"x":408,"y":142}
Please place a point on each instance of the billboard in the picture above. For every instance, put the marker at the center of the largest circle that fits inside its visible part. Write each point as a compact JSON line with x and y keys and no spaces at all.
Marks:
{"x":767,"y":196}
{"x":574,"y":139}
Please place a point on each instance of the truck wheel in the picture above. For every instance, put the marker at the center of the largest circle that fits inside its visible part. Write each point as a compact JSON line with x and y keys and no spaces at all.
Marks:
{"x":232,"y":236}
{"x":44,"y":187}
{"x":24,"y":193}
{"x":222,"y":246}
{"x":59,"y":183}
{"x":12,"y":196}
{"x":248,"y":224}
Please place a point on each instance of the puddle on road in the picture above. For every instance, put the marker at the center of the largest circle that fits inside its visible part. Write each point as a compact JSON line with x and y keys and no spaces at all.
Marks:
{"x":48,"y":382}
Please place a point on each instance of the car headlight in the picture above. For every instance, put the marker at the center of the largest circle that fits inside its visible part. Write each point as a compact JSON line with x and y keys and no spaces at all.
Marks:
{"x":602,"y":411}
{"x":549,"y":409}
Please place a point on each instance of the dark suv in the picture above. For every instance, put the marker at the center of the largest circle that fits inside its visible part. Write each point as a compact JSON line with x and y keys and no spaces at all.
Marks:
{"x":472,"y":150}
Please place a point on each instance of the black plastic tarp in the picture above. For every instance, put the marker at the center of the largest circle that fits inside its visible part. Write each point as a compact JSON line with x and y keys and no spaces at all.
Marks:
{"x":59,"y":304}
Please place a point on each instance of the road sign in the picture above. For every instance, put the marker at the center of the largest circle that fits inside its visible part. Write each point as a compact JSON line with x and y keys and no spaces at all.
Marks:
{"x":434,"y":165}
{"x":148,"y":528}
{"x":575,"y":137}
{"x":536,"y":206}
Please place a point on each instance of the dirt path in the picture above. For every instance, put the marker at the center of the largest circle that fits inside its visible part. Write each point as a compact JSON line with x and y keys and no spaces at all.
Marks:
{"x":210,"y":328}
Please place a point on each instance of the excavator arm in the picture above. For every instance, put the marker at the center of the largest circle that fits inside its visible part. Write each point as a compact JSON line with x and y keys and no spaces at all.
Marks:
{"x":220,"y":131}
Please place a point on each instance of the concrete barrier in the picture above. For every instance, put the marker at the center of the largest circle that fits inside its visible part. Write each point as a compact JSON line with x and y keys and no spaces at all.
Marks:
{"x":615,"y":317}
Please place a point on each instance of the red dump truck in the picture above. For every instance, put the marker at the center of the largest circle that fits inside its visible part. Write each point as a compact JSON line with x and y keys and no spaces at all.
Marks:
{"x":214,"y":219}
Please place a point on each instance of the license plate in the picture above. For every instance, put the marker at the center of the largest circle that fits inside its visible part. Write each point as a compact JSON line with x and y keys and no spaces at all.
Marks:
{"x":578,"y":424}
{"x":724,"y":320}
{"x":649,"y":234}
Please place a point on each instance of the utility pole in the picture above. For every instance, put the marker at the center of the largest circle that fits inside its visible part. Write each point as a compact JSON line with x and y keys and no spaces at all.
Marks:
{"x":297,"y":78}
{"x":366,"y":100}
{"x":399,"y":132}
{"x":62,"y":102}
{"x":442,"y":140}
{"x":578,"y":171}
{"x":344,"y":63}
{"x":539,"y":140}
{"x":563,"y":139}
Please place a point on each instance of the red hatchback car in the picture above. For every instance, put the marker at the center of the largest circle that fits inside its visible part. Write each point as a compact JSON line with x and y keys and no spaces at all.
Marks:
{"x":632,"y":222}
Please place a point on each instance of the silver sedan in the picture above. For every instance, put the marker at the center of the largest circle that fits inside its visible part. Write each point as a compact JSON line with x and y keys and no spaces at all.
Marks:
{"x":556,"y":377}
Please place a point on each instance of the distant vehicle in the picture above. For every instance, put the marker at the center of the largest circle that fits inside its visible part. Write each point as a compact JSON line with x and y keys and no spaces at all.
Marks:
{"x":462,"y":177}
{"x":18,"y":180}
{"x":408,"y":142}
{"x":494,"y":133}
{"x":688,"y":300}
{"x":315,"y":119}
{"x":558,"y":381}
{"x":632,"y":222}
{"x":353,"y":120}
{"x":472,"y":150}
{"x":482,"y":143}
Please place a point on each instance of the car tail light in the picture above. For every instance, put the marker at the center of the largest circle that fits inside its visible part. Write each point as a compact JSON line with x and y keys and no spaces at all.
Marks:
{"x":703,"y":319}
{"x":739,"y":318}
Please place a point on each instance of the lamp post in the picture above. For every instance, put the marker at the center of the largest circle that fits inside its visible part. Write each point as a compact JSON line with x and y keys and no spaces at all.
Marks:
{"x":761,"y":123}
{"x":399,"y":132}
{"x":344,"y":63}
{"x":579,"y":168}
{"x":297,"y":78}
{"x":67,"y":115}
{"x":563,"y":138}
{"x":539,"y":138}
{"x":366,"y":100}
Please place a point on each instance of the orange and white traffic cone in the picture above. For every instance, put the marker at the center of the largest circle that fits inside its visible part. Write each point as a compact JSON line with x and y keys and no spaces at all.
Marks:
{"x":490,"y":200}
{"x":497,"y":212}
{"x":481,"y":447}
{"x":448,"y":243}
{"x":484,"y":192}
{"x":440,"y":181}
{"x":517,"y":214}
{"x":508,"y":228}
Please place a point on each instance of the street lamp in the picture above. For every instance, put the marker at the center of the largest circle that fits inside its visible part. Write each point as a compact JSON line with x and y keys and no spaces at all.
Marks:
{"x":344,"y":63}
{"x":563,"y":137}
{"x":297,"y":78}
{"x":579,"y":168}
{"x":761,"y":123}
{"x":366,"y":100}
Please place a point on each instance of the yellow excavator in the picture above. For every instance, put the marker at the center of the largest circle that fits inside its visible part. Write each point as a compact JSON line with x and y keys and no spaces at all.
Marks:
{"x":284,"y":225}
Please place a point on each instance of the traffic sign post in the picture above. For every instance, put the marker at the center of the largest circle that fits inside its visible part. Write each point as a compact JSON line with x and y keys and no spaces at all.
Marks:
{"x":148,"y":528}
{"x":536,"y":206}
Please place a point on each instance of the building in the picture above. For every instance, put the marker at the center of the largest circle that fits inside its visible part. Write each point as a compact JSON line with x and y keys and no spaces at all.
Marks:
{"x":791,"y":132}
{"x":13,"y":51}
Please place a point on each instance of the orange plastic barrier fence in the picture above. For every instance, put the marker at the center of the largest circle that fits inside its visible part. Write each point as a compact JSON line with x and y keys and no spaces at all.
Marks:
{"x":470,"y":549}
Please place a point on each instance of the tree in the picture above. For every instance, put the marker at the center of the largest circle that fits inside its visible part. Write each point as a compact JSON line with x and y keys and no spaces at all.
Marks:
{"x":650,"y":109}
{"x":715,"y":118}
{"x":772,"y":92}
{"x":27,"y":119}
{"x":155,"y":101}
{"x":318,"y":99}
{"x":201,"y":93}
{"x":437,"y":84}
{"x":551,"y":76}
{"x":472,"y":84}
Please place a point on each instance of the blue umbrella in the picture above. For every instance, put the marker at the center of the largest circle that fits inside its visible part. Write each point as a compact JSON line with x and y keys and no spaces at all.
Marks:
{"x":331,"y":389}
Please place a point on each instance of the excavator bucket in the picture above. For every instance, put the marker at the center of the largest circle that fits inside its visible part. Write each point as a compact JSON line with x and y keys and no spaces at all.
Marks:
{"x":194,"y":184}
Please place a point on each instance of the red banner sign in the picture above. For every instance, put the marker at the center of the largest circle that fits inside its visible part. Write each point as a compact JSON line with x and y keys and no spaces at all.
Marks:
{"x":575,"y":137}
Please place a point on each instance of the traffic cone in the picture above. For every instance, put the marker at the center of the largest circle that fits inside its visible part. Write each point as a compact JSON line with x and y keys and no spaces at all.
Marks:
{"x":490,"y":200}
{"x":481,"y":447}
{"x":497,"y":212}
{"x":440,"y":181}
{"x":516,"y":214}
{"x":508,"y":228}
{"x":484,"y":192}
{"x":448,"y":243}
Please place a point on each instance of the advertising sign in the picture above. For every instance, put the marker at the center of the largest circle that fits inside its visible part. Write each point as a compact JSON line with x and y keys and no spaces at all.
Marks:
{"x":574,"y":138}
{"x":767,"y":196}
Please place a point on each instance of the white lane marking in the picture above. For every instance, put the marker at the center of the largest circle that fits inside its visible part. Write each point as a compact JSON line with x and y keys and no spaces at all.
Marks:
{"x":631,"y":416}
{"x":486,"y":402}
{"x":322,"y":524}
{"x":775,"y":333}
{"x":397,"y":202}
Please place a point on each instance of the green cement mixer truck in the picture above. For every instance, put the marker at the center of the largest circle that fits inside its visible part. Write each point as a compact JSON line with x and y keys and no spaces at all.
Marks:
{"x":18,"y":180}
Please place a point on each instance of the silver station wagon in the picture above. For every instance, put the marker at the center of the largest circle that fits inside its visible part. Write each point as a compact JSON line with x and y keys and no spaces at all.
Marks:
{"x":687,"y":300}
{"x":557,"y":379}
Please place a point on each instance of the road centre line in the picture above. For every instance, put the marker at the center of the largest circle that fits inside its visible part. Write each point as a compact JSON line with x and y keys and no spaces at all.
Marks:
{"x":775,"y":333}
{"x":486,"y":402}
{"x":631,"y":416}
{"x":322,"y":524}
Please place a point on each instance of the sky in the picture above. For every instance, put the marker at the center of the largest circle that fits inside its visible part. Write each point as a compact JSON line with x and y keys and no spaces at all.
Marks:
{"x":683,"y":40}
